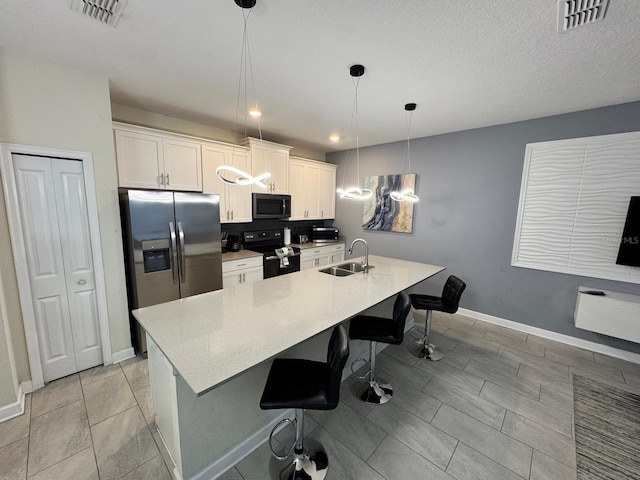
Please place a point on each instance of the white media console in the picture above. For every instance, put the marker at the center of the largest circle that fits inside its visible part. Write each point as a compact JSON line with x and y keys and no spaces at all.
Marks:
{"x":614,"y":314}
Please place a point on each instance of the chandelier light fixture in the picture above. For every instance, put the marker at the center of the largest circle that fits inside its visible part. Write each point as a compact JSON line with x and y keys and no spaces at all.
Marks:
{"x":407,"y":194}
{"x":228,"y":173}
{"x":354,"y":193}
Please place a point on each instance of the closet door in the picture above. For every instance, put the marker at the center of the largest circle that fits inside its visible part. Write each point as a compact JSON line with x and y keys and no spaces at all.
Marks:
{"x":53,"y":210}
{"x":77,"y":256}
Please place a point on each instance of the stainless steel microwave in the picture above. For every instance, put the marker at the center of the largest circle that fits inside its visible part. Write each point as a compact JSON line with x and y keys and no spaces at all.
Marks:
{"x":324,"y":234}
{"x":271,"y":206}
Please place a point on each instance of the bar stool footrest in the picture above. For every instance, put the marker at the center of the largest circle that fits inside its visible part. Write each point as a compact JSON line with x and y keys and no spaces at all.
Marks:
{"x":363,"y":361}
{"x":273,"y":431}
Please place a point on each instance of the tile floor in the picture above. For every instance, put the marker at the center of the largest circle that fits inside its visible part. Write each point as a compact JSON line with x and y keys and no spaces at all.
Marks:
{"x":97,"y":424}
{"x":498,"y":406}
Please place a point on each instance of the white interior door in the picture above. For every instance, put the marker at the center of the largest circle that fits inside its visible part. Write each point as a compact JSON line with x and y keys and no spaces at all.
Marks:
{"x":53,"y":209}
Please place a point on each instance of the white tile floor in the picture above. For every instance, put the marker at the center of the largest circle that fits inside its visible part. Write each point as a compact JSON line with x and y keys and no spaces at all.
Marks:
{"x":498,"y":406}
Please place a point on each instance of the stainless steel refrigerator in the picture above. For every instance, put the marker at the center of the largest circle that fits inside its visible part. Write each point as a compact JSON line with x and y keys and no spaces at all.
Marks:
{"x":172,"y":248}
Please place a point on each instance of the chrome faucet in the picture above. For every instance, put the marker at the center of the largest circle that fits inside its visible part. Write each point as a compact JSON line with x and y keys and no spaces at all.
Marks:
{"x":365,"y":263}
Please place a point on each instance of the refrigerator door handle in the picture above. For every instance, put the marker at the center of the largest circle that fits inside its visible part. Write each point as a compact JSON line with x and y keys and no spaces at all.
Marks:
{"x":182,"y":253}
{"x":174,"y":252}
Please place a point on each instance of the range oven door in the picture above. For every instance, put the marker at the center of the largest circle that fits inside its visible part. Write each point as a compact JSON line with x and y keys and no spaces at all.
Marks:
{"x":271,"y":265}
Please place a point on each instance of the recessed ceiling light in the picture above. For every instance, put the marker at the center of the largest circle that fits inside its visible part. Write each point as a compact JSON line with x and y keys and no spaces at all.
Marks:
{"x":254,"y":112}
{"x":334,"y":137}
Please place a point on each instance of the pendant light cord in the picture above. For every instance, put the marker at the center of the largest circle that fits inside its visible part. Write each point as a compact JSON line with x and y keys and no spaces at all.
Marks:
{"x":246,"y":65}
{"x":354,"y":113}
{"x":246,"y":70}
{"x":356,"y":82}
{"x":409,"y":140}
{"x":354,"y":121}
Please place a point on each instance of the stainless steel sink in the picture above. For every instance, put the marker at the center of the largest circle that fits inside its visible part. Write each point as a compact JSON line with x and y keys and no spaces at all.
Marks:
{"x":346,"y":269}
{"x":336,"y":272}
{"x":354,"y":267}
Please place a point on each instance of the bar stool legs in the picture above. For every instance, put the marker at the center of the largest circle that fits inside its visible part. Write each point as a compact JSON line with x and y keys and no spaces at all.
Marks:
{"x":309,"y":462}
{"x":372,"y":391}
{"x":422,"y":348}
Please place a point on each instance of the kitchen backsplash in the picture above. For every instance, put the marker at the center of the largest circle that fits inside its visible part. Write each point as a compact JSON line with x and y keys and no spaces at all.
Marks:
{"x":299,"y":227}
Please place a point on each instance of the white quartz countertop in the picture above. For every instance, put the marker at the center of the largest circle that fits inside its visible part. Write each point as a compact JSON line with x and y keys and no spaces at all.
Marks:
{"x":239,"y":255}
{"x":213,"y":337}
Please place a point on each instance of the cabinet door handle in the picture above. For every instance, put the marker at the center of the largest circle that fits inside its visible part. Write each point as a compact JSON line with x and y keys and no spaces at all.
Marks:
{"x":239,"y":278}
{"x":227,"y":214}
{"x":161,"y":179}
{"x":231,"y":214}
{"x":167,"y":179}
{"x":241,"y":265}
{"x":322,"y":213}
{"x":244,"y":279}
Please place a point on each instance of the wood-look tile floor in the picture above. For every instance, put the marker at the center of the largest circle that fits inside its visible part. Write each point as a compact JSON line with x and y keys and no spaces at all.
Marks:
{"x":499,"y":405}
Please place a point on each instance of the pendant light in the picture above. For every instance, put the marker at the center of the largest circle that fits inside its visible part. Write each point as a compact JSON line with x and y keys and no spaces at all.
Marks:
{"x":355,"y":193}
{"x":241,"y":177}
{"x":406,"y":195}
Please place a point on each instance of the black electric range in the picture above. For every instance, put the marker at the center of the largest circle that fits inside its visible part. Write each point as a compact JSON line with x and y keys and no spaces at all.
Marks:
{"x":267,"y":242}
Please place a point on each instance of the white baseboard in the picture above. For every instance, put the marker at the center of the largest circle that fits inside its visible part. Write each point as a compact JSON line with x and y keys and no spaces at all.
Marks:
{"x":558,"y":337}
{"x":176,"y":475}
{"x":123,"y":355}
{"x":220,"y":466}
{"x":27,"y":387}
{"x":14,"y":409}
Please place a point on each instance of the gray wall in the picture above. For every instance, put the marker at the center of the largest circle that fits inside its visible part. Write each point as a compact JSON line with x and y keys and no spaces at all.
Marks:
{"x":469,"y":187}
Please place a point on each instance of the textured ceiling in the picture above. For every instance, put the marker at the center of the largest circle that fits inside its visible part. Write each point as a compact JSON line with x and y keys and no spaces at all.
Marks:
{"x":466,"y":63}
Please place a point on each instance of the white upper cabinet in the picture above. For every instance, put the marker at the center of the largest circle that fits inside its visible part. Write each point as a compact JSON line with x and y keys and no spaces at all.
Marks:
{"x":235,"y":200}
{"x":152,"y":159}
{"x":305,"y":189}
{"x":328,"y":191}
{"x":273,"y":158}
{"x":182,"y":165}
{"x":313,"y":186}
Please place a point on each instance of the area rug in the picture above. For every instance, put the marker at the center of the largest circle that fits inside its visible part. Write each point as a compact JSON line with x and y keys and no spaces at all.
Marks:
{"x":607,"y":431}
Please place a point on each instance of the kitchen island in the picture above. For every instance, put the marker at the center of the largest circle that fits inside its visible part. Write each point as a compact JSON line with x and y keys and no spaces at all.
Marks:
{"x":209,"y":355}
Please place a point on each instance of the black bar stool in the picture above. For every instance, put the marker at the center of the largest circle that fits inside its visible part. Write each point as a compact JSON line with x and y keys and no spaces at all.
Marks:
{"x":384,"y":330}
{"x":448,"y":302}
{"x":305,"y":384}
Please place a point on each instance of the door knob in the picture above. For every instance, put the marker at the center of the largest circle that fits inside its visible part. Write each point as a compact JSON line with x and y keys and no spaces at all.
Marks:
{"x":82,"y":282}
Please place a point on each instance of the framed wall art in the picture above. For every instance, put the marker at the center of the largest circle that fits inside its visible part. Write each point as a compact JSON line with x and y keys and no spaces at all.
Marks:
{"x":381,"y":212}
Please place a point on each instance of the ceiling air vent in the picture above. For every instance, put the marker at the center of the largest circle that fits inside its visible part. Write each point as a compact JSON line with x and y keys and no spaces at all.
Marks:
{"x":104,"y":11}
{"x":576,"y":13}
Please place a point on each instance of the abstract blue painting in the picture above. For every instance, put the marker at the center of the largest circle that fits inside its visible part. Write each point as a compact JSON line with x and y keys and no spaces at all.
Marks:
{"x":382,"y":213}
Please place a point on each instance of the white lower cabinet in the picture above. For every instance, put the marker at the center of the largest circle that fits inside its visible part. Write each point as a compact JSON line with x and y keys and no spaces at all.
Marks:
{"x":319,"y":256}
{"x":337,"y":253}
{"x":247,"y":270}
